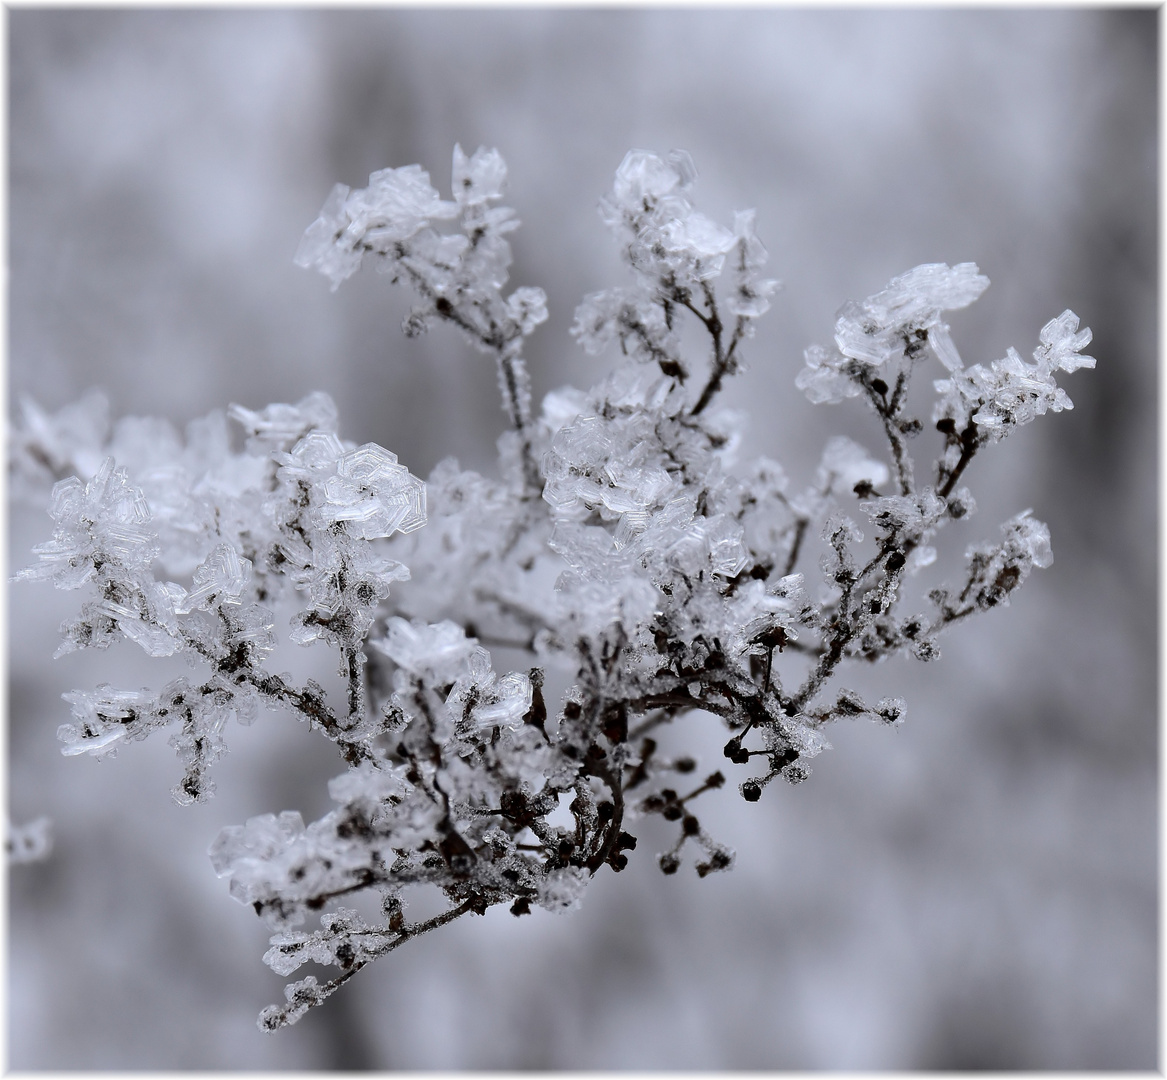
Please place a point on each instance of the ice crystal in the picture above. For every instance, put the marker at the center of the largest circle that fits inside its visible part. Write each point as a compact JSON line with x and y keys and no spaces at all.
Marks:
{"x":1011,"y":392}
{"x":908,"y":310}
{"x":397,"y":204}
{"x":373,"y":493}
{"x":104,"y":521}
{"x":876,"y":337}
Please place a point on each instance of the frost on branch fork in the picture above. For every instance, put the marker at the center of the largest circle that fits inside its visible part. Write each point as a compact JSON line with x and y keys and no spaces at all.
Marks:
{"x":620,"y":547}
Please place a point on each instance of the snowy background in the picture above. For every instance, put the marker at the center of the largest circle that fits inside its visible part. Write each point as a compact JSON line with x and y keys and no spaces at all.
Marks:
{"x":976,"y":890}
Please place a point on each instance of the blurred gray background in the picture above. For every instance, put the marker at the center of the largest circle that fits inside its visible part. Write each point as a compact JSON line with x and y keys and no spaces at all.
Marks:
{"x":975,"y":890}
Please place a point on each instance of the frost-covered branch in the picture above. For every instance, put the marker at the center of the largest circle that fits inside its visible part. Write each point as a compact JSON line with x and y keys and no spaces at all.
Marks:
{"x":458,"y":276}
{"x":622,"y":546}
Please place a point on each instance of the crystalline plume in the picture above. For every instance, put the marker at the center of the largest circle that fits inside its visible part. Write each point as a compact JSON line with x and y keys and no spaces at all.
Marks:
{"x":1062,"y":344}
{"x":222,"y":576}
{"x":562,"y":890}
{"x":368,"y":783}
{"x":751,"y":294}
{"x":1012,"y":392}
{"x":342,"y":931}
{"x":152,"y":639}
{"x":635,"y":320}
{"x":344,"y":574}
{"x":1027,"y":541}
{"x":845,"y":463}
{"x":727,"y":554}
{"x":912,"y":516}
{"x":292,"y":949}
{"x":873,"y":331}
{"x":644,"y":177}
{"x":313,"y":458}
{"x":589,"y":548}
{"x":928,"y":288}
{"x":996,"y":571}
{"x":668,"y":240}
{"x":479,"y":178}
{"x":102,"y":521}
{"x":199,"y":741}
{"x":256,"y":629}
{"x":367,"y":578}
{"x":374,"y":495}
{"x":199,"y":493}
{"x":301,"y":996}
{"x":397,"y":204}
{"x":595,"y":323}
{"x":278,"y":427}
{"x":321,"y":245}
{"x":699,"y":236}
{"x":527,"y":308}
{"x":261,"y":838}
{"x":507,"y":701}
{"x":824,"y":379}
{"x":635,"y":389}
{"x":842,"y":534}
{"x":605,"y":597}
{"x":595,"y":462}
{"x":756,"y":610}
{"x":440,"y":651}
{"x":281,"y":867}
{"x":944,"y":347}
{"x":443,"y":252}
{"x":103,"y":717}
{"x":146,"y":617}
{"x":74,"y":743}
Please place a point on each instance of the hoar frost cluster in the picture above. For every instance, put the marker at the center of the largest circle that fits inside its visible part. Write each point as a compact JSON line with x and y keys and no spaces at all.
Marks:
{"x":619,"y":546}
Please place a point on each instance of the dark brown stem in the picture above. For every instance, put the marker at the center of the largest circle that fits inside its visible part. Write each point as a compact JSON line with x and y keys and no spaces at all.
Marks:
{"x":792,"y":558}
{"x":510,"y":369}
{"x":327,"y":989}
{"x":847,"y":628}
{"x":970,"y":443}
{"x":888,"y":412}
{"x":721,"y":362}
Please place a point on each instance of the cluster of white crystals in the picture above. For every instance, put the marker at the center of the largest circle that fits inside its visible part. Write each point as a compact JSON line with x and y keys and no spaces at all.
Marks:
{"x":296,"y":507}
{"x":622,"y":544}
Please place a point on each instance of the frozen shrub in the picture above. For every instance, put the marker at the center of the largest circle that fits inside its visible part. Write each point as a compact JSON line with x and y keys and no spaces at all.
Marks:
{"x":620,"y":545}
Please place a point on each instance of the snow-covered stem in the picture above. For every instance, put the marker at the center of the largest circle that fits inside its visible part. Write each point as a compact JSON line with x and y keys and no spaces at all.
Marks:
{"x":621,"y":545}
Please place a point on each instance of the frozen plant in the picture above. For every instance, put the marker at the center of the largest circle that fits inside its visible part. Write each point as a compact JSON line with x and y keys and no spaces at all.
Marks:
{"x":619,"y":546}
